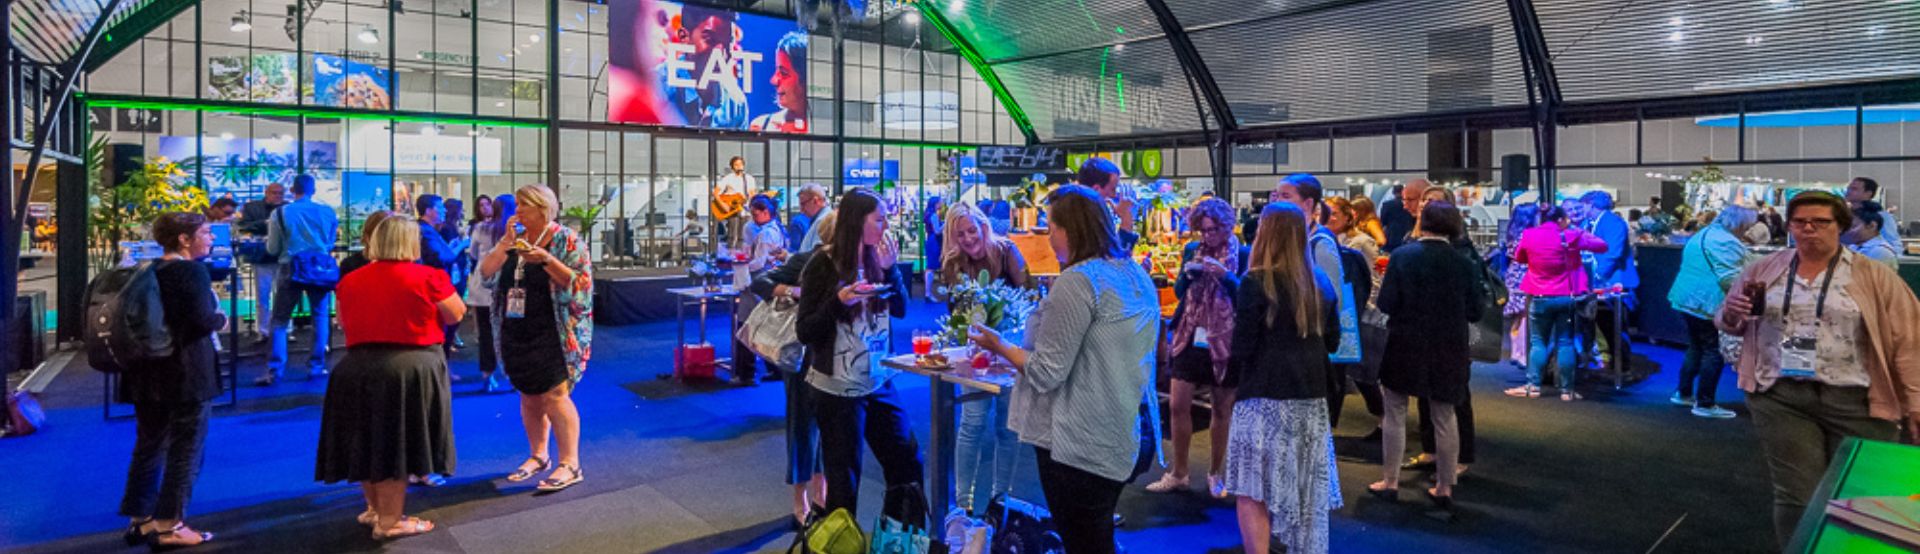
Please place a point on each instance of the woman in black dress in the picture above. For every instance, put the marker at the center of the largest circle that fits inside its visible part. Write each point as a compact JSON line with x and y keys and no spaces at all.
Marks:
{"x":542,"y":284}
{"x":1430,"y":294}
{"x":170,"y":395}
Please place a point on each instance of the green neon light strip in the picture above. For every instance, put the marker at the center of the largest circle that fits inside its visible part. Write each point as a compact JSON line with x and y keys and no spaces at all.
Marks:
{"x":980,"y":66}
{"x":309,"y":111}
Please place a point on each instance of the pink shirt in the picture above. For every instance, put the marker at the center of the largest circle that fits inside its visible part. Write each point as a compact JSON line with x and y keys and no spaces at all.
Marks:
{"x":1553,"y":262}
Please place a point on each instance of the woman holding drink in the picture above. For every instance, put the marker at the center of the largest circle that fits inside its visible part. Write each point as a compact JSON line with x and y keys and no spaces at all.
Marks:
{"x":1829,"y":338}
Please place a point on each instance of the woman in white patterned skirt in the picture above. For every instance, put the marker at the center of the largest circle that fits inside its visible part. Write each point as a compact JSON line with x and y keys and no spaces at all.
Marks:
{"x":1280,"y":450}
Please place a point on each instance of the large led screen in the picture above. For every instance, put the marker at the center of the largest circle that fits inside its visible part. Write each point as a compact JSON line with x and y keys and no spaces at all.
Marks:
{"x":693,"y":66}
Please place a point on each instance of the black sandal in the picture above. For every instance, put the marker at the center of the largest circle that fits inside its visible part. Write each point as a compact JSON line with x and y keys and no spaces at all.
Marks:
{"x":134,"y":536}
{"x":522,"y":473}
{"x":154,"y":544}
{"x":1390,"y":494}
{"x":551,"y":484}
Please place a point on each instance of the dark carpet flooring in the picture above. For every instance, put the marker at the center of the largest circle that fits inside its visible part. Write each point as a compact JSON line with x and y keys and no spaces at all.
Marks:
{"x":672,"y":468}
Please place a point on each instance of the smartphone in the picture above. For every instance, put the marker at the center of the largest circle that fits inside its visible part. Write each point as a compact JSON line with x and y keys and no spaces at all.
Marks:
{"x":1757,"y":295}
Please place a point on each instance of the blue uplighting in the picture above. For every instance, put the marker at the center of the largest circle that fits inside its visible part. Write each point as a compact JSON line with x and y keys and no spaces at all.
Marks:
{"x":1897,"y":113}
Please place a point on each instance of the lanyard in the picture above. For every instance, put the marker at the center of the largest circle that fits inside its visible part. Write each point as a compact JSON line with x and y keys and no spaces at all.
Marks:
{"x":520,"y":263}
{"x":1820,"y":305}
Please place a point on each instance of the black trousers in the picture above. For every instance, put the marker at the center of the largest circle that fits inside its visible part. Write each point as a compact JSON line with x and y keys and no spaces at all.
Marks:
{"x":1462,"y":417}
{"x":1337,"y":398}
{"x":877,"y":417}
{"x":1082,"y":504}
{"x":167,"y":446}
{"x":483,"y":319}
{"x":1603,"y":324}
{"x":1703,"y":361}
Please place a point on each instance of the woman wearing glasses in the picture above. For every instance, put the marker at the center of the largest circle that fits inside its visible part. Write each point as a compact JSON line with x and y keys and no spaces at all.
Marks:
{"x":1202,"y":334}
{"x":1830,"y":337}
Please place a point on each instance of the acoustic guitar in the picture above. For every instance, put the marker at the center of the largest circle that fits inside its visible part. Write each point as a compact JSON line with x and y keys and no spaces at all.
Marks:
{"x":726,"y":206}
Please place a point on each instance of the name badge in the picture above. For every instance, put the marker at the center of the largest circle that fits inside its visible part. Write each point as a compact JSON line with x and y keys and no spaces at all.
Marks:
{"x":1200,"y":337}
{"x":1799,"y":357}
{"x":516,"y":303}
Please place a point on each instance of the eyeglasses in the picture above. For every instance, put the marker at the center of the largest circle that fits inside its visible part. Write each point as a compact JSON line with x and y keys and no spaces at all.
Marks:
{"x":1820,"y":224}
{"x":1208,"y":229}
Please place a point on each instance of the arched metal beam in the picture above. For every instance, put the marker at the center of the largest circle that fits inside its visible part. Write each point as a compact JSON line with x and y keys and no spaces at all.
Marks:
{"x":1543,"y":91}
{"x":932,"y":14}
{"x":1195,"y":67}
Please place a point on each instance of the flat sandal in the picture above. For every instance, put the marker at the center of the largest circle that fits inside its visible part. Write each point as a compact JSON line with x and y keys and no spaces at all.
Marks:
{"x":522,"y":473}
{"x":550,"y":484}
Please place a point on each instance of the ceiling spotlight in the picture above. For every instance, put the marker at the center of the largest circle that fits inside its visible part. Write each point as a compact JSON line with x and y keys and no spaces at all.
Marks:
{"x":912,"y":19}
{"x":242,"y":22}
{"x":1755,"y":40}
{"x":1676,"y":36}
{"x":226,"y":136}
{"x":1677,"y":22}
{"x":533,"y":38}
{"x":1876,"y":30}
{"x":369,"y":35}
{"x":500,"y":104}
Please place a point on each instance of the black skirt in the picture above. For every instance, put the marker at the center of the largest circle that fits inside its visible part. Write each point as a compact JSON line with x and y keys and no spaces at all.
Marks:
{"x":388,"y":415}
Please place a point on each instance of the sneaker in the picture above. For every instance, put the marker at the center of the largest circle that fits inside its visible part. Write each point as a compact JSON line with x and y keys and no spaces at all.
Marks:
{"x":1217,"y":485}
{"x":1169,"y":483}
{"x":1678,"y":400}
{"x":1714,"y":412}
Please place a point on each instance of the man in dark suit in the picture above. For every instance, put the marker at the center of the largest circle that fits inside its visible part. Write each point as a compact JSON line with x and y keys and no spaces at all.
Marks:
{"x":1615,"y":266}
{"x":1397,"y":213}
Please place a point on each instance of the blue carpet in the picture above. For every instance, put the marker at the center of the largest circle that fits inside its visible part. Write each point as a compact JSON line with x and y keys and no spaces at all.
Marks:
{"x":675,"y":468}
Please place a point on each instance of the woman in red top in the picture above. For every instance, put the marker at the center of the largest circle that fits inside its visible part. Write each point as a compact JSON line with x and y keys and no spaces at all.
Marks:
{"x":388,"y":413}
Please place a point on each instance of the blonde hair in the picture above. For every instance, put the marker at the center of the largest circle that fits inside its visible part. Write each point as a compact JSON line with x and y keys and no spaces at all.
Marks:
{"x":1280,"y":258}
{"x":396,"y":238}
{"x":540,"y":197}
{"x":959,"y":213}
{"x":824,"y":227}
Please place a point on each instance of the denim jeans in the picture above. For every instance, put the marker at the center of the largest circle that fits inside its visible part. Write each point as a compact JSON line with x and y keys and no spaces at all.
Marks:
{"x":264,"y":276}
{"x":1550,"y":336}
{"x":320,"y":302}
{"x":168,"y":442}
{"x":1703,"y":361}
{"x":978,"y":438}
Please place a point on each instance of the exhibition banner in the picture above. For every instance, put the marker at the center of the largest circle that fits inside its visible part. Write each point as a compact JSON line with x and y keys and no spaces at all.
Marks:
{"x":695,"y":66}
{"x":346,"y":83}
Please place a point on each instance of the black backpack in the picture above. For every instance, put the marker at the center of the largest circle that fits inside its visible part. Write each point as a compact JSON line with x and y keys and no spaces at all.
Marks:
{"x":126,"y":324}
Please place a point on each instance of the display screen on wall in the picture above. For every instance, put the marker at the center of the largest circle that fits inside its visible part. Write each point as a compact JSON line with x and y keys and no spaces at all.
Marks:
{"x":346,"y":83}
{"x":243,"y":167}
{"x":258,"y":78}
{"x":694,"y":66}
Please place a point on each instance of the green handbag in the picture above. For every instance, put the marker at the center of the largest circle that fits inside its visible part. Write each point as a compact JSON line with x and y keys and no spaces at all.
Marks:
{"x":835,"y":534}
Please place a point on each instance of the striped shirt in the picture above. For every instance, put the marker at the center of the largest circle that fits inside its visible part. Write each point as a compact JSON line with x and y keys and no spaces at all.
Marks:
{"x":1091,"y":367}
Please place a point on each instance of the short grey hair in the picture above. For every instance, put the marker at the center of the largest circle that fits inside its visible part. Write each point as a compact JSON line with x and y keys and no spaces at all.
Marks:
{"x":1736,"y":218}
{"x":812,"y":189}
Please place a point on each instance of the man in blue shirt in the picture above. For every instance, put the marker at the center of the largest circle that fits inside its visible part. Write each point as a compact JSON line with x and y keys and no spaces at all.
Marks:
{"x":435,"y":251}
{"x":813,"y":206}
{"x":1615,"y":266}
{"x":300,"y":226}
{"x":1863,"y":189}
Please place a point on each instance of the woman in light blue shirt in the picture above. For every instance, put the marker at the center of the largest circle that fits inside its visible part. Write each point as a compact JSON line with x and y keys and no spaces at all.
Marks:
{"x":1089,"y":372}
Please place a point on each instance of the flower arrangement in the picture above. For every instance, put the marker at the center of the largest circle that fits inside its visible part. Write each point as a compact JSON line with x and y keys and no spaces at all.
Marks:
{"x":989,"y":302}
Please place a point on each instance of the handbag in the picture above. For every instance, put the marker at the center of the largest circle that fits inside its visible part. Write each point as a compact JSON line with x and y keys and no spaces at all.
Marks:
{"x":892,"y":536}
{"x":1373,"y":347}
{"x":1022,"y":527}
{"x":769,"y":332}
{"x":314,"y":268}
{"x":1487,"y":334}
{"x":966,"y":535}
{"x":834,"y":534}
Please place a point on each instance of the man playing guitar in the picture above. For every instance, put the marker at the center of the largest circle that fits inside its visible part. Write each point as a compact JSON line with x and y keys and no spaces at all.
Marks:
{"x":730,"y":200}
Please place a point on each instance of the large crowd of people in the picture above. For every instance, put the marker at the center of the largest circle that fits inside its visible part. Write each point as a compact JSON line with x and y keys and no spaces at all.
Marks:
{"x":1279,"y":323}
